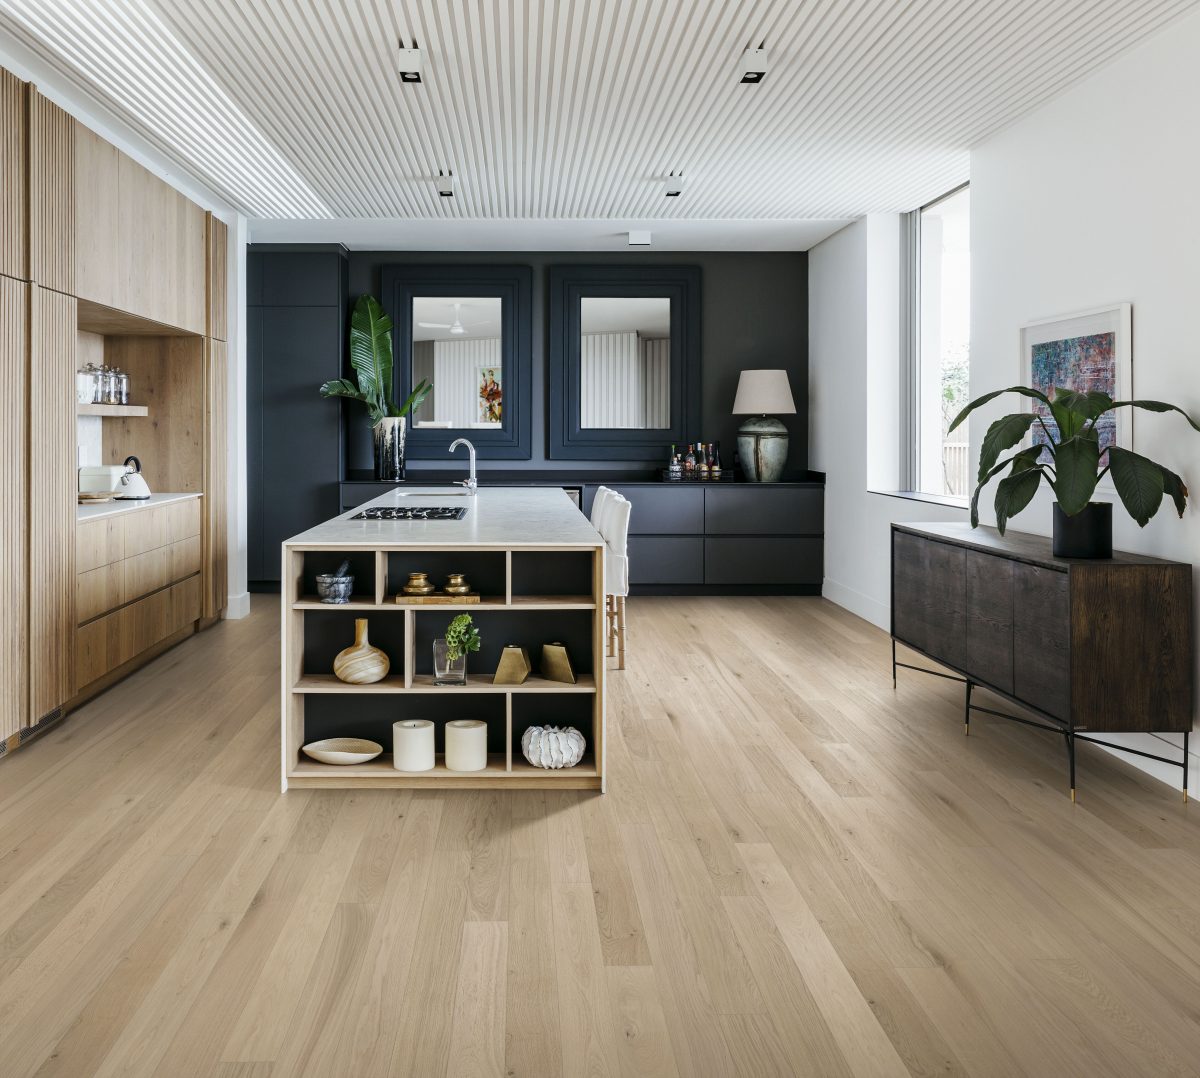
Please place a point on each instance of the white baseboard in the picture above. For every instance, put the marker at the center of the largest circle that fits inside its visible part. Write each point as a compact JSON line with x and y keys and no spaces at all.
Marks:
{"x":857,"y":603}
{"x":237,"y":606}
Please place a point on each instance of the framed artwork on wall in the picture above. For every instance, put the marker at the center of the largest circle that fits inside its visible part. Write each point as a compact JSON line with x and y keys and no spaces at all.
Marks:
{"x":1088,"y":351}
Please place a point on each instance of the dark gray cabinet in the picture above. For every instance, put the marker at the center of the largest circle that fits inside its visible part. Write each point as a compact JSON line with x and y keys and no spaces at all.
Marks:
{"x":296,"y":329}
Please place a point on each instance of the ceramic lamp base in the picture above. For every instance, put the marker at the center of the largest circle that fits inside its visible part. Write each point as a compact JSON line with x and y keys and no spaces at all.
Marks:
{"x":762,"y":449}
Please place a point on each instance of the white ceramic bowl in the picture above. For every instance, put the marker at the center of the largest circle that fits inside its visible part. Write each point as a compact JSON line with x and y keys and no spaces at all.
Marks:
{"x":342,"y":750}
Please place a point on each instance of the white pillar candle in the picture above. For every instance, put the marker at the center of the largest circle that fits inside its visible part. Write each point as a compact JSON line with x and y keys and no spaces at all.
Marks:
{"x":412,"y":745}
{"x":466,"y":745}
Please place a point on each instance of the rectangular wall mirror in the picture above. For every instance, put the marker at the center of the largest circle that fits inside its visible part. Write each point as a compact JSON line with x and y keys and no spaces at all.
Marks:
{"x":624,"y":360}
{"x":468,"y":330}
{"x":456,"y":346}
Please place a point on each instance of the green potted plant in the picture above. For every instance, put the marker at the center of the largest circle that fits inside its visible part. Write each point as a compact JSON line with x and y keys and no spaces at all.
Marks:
{"x":450,"y":651}
{"x":1072,"y":462}
{"x":371,"y":359}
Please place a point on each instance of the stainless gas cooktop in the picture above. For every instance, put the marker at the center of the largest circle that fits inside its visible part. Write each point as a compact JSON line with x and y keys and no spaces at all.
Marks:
{"x":411,"y":512}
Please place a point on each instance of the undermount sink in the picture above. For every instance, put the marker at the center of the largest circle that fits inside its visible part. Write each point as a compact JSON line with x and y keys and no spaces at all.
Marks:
{"x":430,"y":493}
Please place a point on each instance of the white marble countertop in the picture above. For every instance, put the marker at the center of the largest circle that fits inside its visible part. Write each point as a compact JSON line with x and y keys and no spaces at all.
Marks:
{"x":108,"y":509}
{"x":496,"y":517}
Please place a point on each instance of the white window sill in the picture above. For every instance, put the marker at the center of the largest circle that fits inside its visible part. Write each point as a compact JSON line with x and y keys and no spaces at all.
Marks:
{"x":932,"y":499}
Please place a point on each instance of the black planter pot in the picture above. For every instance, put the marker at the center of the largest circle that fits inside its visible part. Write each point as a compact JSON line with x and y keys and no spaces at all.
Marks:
{"x":1088,"y":534}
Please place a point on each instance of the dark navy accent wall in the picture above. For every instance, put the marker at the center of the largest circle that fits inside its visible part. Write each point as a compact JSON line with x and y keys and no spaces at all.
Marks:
{"x":753,"y":313}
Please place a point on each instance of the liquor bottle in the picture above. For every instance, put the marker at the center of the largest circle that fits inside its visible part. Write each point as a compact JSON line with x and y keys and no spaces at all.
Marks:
{"x":689,"y":461}
{"x":701,"y":460}
{"x":674,"y":467}
{"x":714,"y":459}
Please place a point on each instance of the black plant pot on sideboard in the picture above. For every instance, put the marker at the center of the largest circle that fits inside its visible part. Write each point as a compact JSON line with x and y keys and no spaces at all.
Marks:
{"x":1088,"y":534}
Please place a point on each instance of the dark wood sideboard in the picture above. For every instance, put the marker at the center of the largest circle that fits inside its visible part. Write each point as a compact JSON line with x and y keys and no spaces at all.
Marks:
{"x":1087,"y":646}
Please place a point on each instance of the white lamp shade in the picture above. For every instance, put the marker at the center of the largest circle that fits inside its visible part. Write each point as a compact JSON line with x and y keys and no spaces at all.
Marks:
{"x":764,"y":393}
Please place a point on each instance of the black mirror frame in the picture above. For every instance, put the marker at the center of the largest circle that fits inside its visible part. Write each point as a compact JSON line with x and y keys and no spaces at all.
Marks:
{"x":568,"y":285}
{"x":513,"y":285}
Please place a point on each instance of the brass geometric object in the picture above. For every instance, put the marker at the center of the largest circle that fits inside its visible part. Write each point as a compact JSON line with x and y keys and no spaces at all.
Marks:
{"x":556,"y":664}
{"x":514,"y":666}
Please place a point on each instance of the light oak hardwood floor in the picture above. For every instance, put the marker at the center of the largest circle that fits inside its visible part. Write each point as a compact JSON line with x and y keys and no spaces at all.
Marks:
{"x":796,"y":871}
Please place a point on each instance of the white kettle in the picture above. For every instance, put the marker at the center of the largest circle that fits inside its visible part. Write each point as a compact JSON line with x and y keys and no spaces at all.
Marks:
{"x":133,"y":484}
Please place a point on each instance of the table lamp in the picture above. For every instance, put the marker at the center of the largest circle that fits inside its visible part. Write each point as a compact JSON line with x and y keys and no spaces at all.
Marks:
{"x":762,"y":439}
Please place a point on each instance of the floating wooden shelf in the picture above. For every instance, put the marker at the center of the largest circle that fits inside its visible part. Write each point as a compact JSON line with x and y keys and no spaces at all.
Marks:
{"x":112,"y":409}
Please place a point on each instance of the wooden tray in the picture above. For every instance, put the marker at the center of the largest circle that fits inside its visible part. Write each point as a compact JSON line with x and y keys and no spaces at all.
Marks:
{"x":437,"y":598}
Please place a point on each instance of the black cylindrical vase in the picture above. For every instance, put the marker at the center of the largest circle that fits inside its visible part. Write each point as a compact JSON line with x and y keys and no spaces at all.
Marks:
{"x":1088,"y":534}
{"x":389,"y":449}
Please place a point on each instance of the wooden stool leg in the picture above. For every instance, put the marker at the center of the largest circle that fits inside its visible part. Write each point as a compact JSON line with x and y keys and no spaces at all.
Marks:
{"x":621,"y":632}
{"x":610,"y":623}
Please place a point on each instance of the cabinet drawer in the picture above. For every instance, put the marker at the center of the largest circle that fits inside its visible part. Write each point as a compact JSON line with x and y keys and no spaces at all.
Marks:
{"x":99,"y":542}
{"x":145,"y":529}
{"x":664,"y":510}
{"x":97,"y":649}
{"x":764,"y":510}
{"x":762,"y":561}
{"x":99,"y":590}
{"x":183,"y":519}
{"x":663,"y":560}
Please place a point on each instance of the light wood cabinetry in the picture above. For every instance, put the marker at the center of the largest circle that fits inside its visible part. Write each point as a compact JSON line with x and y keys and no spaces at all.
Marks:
{"x":217,"y":276}
{"x":14,"y":186}
{"x":162,"y":264}
{"x":14,"y":451}
{"x":51,"y":195}
{"x":126,"y":564}
{"x":216,"y":485}
{"x":52,"y":488}
{"x":97,"y":231}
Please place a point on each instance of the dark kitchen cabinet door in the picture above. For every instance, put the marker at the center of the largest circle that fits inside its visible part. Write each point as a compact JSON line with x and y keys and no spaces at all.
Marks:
{"x":929,"y":597}
{"x":299,"y":432}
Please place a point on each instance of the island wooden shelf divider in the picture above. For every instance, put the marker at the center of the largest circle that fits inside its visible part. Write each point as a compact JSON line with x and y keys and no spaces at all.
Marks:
{"x":408,"y":680}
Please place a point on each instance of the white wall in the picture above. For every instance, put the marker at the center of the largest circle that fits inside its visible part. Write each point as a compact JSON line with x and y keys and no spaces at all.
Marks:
{"x":853,"y":303}
{"x":1089,"y":200}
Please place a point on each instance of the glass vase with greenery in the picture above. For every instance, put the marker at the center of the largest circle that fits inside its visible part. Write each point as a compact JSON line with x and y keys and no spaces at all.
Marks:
{"x":450,"y":651}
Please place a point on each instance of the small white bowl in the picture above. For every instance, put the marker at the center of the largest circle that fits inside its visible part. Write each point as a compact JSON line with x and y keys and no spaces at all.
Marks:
{"x":342,"y":750}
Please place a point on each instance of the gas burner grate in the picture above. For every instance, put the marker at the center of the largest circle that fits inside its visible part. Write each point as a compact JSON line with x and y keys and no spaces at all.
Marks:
{"x":411,"y":512}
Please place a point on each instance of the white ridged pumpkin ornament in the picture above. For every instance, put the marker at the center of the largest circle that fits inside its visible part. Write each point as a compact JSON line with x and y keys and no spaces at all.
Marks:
{"x":553,"y":746}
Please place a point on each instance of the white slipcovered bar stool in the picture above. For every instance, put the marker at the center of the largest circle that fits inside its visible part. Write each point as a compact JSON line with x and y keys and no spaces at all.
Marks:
{"x":614,"y":526}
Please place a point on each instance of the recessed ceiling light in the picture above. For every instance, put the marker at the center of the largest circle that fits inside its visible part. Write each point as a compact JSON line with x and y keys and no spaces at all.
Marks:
{"x":673,"y":185}
{"x":409,"y":64}
{"x":753,"y":65}
{"x":445,"y":184}
{"x":639,"y":239}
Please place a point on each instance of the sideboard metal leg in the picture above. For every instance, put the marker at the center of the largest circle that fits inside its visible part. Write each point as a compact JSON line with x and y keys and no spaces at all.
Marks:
{"x":893,"y":662}
{"x":1185,"y":765}
{"x":1071,"y":756}
{"x":967,"y":711}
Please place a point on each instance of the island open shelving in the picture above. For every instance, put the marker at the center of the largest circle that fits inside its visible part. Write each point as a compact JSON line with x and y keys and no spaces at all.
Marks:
{"x":538,"y":566}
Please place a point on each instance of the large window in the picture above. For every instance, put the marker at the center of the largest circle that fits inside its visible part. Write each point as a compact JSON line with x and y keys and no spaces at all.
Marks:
{"x":942,"y":348}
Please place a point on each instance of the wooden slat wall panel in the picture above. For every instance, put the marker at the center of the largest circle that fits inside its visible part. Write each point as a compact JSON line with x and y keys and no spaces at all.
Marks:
{"x":51,"y":195}
{"x":97,"y":226}
{"x":14,"y":377}
{"x":217,"y":276}
{"x":216,"y":553}
{"x":14,"y":190}
{"x":52,"y":489}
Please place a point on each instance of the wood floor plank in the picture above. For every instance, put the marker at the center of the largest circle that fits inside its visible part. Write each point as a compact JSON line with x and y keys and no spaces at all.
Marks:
{"x":798,"y":870}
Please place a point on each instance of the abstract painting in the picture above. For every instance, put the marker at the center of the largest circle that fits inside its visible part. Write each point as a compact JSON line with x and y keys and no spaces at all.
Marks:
{"x":491,"y":395}
{"x":1085,"y":352}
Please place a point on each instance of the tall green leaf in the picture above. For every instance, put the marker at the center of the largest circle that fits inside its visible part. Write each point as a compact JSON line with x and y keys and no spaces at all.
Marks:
{"x":416,"y":398}
{"x":979,"y":402}
{"x":1157,"y":406}
{"x":1174,"y":486}
{"x":1021,"y":462}
{"x":1089,"y":405}
{"x":371,"y":355}
{"x":1002,"y":435}
{"x":1139,"y":481}
{"x":1075,"y":465}
{"x":342,"y":387}
{"x":1014,"y":493}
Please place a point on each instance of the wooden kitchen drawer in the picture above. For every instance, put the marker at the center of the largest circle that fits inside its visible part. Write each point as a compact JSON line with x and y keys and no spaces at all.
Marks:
{"x":108,"y":642}
{"x":183,"y":519}
{"x":145,"y":529}
{"x":98,"y":591}
{"x":157,"y":568}
{"x":99,"y":542}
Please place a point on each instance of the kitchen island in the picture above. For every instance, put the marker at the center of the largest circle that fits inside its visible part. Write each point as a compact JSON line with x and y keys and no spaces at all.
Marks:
{"x":537,"y":566}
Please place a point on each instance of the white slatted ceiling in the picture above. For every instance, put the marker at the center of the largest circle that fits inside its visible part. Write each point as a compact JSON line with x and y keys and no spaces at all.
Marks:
{"x":550,"y":109}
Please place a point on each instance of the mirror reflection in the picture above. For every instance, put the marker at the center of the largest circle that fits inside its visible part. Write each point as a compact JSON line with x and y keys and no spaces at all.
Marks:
{"x":456,"y":346}
{"x":625,"y":362}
